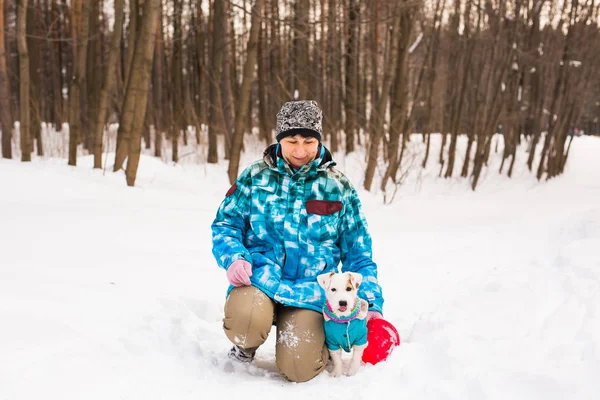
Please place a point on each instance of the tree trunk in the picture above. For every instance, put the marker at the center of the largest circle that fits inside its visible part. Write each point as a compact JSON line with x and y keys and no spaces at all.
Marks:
{"x":55,"y":50}
{"x":332,"y":117}
{"x":23,"y":80}
{"x":229,"y":85}
{"x":35,"y":82}
{"x":77,"y":84}
{"x":177,"y":80}
{"x":132,"y":30}
{"x":400,"y":100}
{"x":374,"y":64}
{"x":107,"y":86}
{"x":244,"y":95}
{"x":300,"y":48}
{"x":263,"y":100}
{"x":201,"y":50}
{"x":351,"y":100}
{"x":439,"y":10}
{"x":93,"y":76}
{"x":157,"y":87}
{"x":6,"y":122}
{"x":134,"y":105}
{"x":458,"y":110}
{"x":218,"y":47}
{"x":533,"y":123}
{"x":378,"y":119}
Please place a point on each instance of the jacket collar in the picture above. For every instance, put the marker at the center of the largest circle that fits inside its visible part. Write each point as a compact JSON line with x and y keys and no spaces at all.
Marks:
{"x":273,"y":158}
{"x":330,"y":313}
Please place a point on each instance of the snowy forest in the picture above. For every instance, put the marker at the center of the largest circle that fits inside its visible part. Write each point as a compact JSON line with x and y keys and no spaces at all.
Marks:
{"x":385,"y":72}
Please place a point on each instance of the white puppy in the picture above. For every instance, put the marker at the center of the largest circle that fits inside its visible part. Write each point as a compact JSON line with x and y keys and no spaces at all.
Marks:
{"x":345,"y":318}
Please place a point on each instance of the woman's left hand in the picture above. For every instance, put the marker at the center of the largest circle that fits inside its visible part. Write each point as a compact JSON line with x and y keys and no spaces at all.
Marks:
{"x":374,"y":315}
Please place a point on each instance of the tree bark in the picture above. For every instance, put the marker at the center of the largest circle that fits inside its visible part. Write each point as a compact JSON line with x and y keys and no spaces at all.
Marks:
{"x":333,"y":115}
{"x":400,"y":100}
{"x":216,"y":61}
{"x":132,"y":31}
{"x":244,"y":95}
{"x":201,"y":38}
{"x":464,"y":81}
{"x":378,"y":119}
{"x":35,"y":81}
{"x":351,"y":61}
{"x":94,"y":75}
{"x":263,"y":100}
{"x":6,"y":122}
{"x":157,"y":87}
{"x":432,"y":75}
{"x":23,"y":80}
{"x":134,"y":106}
{"x":177,"y":80}
{"x":77,"y":83}
{"x":300,"y":48}
{"x":55,"y":50}
{"x":107,"y":86}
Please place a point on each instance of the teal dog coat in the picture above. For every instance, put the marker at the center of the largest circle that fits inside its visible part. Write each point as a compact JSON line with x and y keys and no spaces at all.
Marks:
{"x":344,"y":332}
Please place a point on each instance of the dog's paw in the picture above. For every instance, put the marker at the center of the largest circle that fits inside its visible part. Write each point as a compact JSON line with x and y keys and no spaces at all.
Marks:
{"x":353,"y":370}
{"x":336,"y":373}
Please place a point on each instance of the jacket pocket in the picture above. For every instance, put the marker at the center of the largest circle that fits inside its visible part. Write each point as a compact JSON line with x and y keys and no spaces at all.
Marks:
{"x":323,"y":207}
{"x":323,"y":219}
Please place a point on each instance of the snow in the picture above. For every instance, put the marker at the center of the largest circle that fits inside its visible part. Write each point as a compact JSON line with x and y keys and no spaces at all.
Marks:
{"x":111,"y":292}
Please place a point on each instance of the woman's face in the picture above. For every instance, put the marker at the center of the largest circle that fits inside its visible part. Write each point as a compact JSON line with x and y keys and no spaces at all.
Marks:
{"x":299,"y":150}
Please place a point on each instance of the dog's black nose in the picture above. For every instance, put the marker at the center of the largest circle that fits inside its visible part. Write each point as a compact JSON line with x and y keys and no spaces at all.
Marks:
{"x":343,"y":303}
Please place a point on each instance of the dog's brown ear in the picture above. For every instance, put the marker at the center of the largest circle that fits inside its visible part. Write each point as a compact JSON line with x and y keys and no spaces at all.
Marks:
{"x":324,"y":279}
{"x":355,"y":279}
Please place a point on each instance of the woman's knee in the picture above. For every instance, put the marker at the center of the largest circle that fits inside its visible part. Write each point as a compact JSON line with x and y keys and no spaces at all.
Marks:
{"x":248,"y":317}
{"x":300,"y":366}
{"x":301,"y":353}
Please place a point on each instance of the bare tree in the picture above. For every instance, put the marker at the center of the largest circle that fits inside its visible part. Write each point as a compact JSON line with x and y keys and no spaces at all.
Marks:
{"x":35,"y":76}
{"x":351,"y":61}
{"x":55,"y":49}
{"x":333,"y":88}
{"x":177,"y":79}
{"x":244,"y":95}
{"x":158,"y":82}
{"x":399,"y":103}
{"x":5,"y":114}
{"x":466,"y":62}
{"x":263,"y":101}
{"x":23,"y":80}
{"x":136,"y":96}
{"x":107,"y":86}
{"x":300,"y":48}
{"x":378,"y":113}
{"x":77,"y":82}
{"x":432,"y":75}
{"x":215,"y":126}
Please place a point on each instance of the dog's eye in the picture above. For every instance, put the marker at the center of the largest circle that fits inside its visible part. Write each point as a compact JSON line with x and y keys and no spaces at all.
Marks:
{"x":333,"y":289}
{"x":348,"y":289}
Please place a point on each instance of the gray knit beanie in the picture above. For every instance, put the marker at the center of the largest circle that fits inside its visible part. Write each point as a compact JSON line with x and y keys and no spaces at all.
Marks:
{"x":300,"y":117}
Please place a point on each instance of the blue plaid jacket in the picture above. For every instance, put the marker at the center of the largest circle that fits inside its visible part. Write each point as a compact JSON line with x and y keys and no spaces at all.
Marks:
{"x":293,"y":226}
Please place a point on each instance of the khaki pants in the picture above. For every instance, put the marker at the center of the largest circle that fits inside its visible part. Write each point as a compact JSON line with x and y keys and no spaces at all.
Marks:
{"x":300,"y":351}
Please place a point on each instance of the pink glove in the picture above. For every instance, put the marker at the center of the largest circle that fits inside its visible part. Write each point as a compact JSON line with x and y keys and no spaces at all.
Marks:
{"x":239,"y":273}
{"x":374,"y":315}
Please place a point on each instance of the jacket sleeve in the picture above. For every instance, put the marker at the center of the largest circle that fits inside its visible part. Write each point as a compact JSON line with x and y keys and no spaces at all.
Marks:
{"x":356,"y":252}
{"x":230,"y":224}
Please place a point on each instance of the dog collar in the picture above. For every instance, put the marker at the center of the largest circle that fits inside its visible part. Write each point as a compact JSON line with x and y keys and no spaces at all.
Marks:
{"x":328,"y":310}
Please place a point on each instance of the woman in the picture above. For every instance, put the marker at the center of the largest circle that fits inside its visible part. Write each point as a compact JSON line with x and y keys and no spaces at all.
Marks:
{"x":288,"y":218}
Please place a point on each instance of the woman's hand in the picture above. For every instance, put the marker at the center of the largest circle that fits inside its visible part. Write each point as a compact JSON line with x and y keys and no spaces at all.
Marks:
{"x":239,"y":273}
{"x":374,"y":315}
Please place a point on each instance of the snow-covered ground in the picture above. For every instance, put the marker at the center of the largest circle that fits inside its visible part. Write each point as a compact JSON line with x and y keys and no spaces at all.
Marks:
{"x":111,"y":292}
